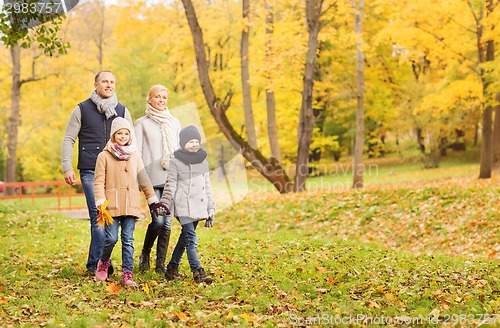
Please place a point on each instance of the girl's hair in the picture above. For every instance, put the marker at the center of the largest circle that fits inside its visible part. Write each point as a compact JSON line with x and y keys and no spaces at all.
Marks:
{"x":155,"y":89}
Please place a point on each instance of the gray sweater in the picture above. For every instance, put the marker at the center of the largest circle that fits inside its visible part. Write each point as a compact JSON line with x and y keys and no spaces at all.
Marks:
{"x":72,"y":130}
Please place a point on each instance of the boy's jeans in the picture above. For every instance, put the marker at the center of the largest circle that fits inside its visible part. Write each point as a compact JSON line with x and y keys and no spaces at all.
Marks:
{"x":187,"y":241}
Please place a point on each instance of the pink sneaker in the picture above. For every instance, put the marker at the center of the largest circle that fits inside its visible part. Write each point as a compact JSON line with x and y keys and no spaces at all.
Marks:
{"x":127,"y":279}
{"x":102,"y":270}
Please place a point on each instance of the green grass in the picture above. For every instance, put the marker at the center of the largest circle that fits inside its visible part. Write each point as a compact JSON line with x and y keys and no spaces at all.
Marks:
{"x":45,"y":202}
{"x":391,"y":170}
{"x":426,"y":255}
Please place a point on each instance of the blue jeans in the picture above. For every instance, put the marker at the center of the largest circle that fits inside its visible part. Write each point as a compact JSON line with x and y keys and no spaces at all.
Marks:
{"x":96,"y":232}
{"x":127,"y":238}
{"x":160,"y":222}
{"x":187,"y":241}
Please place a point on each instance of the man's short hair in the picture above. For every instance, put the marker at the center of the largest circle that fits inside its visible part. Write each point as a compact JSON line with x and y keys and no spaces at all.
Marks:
{"x":99,"y":74}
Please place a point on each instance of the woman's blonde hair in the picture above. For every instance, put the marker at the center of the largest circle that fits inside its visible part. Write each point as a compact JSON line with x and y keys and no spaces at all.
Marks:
{"x":155,"y":89}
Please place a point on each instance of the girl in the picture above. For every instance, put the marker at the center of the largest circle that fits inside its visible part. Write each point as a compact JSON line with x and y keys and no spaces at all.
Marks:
{"x":188,"y":190}
{"x":119,"y":174}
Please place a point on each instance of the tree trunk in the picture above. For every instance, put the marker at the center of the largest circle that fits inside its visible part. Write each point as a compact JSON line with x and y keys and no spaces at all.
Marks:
{"x":306,"y":119}
{"x":15,"y":96}
{"x":271,"y":170}
{"x":358,"y":168}
{"x":272,"y":128}
{"x":245,"y":77}
{"x":486,"y":54}
{"x":100,"y":36}
{"x":496,"y":136}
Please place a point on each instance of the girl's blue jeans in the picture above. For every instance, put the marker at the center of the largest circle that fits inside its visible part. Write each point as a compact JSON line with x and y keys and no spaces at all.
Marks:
{"x":127,"y":224}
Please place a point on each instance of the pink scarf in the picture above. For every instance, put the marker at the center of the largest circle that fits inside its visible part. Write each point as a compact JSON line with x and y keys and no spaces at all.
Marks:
{"x":121,"y":153}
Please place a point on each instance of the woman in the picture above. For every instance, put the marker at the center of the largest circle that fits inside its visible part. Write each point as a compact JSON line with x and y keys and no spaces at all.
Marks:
{"x":157,"y":135}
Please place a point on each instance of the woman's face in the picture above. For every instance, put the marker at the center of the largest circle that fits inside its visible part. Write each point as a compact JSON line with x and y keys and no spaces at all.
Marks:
{"x":159,"y":100}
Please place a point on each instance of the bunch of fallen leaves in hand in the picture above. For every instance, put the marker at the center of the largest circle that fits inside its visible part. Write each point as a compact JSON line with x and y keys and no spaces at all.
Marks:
{"x":103,"y":215}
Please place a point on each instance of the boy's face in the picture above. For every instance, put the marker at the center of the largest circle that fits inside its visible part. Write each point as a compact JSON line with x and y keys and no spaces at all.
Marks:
{"x":122,"y":137}
{"x":192,"y":145}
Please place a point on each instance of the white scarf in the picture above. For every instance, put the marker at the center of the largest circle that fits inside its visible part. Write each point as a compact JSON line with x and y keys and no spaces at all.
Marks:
{"x":105,"y":106}
{"x":165,"y":119}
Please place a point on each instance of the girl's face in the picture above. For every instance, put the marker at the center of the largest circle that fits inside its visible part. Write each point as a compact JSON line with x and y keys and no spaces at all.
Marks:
{"x":122,"y":137}
{"x":159,"y":100}
{"x":192,"y":145}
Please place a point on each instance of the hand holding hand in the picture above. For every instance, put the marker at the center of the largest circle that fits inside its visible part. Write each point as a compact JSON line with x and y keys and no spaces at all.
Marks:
{"x":159,"y":209}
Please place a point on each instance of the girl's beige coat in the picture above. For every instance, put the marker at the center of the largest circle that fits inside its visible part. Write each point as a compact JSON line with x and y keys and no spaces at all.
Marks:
{"x":120,"y":183}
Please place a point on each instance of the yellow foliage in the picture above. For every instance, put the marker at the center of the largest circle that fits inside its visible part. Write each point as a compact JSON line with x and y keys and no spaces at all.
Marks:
{"x":104,"y":217}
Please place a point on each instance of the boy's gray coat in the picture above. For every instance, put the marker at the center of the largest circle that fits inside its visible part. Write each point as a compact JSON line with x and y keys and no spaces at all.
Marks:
{"x":188,"y":188}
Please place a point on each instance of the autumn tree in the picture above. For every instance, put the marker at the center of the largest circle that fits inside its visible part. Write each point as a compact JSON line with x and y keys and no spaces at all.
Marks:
{"x":269,"y":169}
{"x":360,"y":96}
{"x":245,"y":76}
{"x":272,"y":129}
{"x":486,"y":54}
{"x":20,"y":29}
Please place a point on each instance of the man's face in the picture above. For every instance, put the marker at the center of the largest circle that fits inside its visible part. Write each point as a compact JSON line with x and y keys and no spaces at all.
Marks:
{"x":105,"y":85}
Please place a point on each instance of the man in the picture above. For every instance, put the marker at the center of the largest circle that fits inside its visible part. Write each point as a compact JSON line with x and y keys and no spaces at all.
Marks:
{"x":90,"y":122}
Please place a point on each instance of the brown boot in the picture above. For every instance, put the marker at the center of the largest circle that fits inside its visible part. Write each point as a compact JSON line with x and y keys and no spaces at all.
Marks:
{"x":172,"y":272}
{"x":200,"y":276}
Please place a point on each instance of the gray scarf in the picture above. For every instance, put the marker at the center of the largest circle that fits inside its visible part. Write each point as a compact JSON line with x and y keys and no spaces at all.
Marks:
{"x":105,"y":106}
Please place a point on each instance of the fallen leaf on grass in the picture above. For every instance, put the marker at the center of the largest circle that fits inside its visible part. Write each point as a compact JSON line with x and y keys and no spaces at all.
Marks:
{"x":332,"y":281}
{"x":373,"y":305}
{"x":112,"y":288}
{"x":146,"y":288}
{"x":229,"y":315}
{"x":180,"y":315}
{"x":248,"y":317}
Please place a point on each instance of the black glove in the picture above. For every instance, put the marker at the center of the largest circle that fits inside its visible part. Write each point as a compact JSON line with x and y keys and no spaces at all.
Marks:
{"x":159,"y":209}
{"x":209,"y":223}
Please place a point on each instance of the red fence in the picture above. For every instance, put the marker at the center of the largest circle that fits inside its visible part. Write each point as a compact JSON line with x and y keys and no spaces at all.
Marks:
{"x":58,"y":194}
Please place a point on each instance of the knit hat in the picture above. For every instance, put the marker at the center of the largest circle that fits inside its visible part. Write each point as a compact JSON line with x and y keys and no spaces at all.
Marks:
{"x":120,"y":123}
{"x":188,"y":133}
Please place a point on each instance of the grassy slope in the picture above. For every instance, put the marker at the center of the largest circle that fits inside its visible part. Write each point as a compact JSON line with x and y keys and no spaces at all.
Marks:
{"x":416,"y":252}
